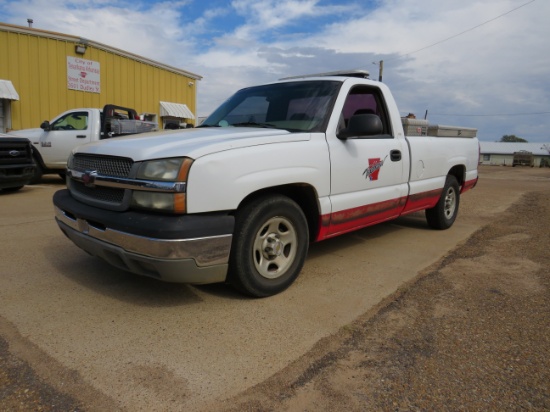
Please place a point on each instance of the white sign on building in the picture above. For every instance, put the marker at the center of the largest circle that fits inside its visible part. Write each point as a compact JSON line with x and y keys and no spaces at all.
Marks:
{"x":83,"y":75}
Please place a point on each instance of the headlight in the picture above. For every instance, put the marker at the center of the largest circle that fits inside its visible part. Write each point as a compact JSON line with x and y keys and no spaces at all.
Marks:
{"x":166,"y":170}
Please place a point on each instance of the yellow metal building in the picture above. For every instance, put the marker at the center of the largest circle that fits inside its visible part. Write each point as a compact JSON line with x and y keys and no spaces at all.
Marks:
{"x":43,"y":74}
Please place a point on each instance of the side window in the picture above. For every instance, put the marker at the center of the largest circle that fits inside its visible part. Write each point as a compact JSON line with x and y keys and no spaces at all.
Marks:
{"x":71,"y":121}
{"x":365,"y":100}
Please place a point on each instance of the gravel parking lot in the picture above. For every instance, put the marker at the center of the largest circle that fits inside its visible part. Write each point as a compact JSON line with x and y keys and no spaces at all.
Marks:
{"x":418,"y":320}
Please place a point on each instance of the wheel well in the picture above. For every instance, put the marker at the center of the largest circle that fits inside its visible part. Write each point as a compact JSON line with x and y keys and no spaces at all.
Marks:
{"x":303,"y":194}
{"x":458,"y":171}
{"x":38,"y":159}
{"x":40,"y":162}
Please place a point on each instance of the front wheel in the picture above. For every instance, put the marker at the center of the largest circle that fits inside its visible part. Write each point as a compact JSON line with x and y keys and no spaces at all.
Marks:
{"x":38,"y":172}
{"x":270,"y":245}
{"x":443,"y":215}
{"x":11,"y":189}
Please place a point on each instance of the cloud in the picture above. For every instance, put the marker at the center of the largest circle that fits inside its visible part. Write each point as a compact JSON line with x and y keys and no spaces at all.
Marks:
{"x":432,"y":60}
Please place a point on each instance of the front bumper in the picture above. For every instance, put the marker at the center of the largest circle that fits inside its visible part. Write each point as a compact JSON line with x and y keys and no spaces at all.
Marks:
{"x":15,"y":176}
{"x":185,"y":249}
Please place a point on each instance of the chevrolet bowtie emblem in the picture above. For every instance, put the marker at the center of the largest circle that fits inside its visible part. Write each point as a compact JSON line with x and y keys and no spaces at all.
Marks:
{"x":88,"y":178}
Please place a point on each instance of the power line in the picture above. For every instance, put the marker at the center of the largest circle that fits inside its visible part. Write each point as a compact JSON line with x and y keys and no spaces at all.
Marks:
{"x":465,"y":31}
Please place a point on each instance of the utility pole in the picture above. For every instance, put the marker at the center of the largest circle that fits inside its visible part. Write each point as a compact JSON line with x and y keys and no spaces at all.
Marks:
{"x":380,"y":70}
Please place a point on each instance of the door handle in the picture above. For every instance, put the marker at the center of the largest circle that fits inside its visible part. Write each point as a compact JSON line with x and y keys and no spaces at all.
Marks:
{"x":81,"y":136}
{"x":395,"y":155}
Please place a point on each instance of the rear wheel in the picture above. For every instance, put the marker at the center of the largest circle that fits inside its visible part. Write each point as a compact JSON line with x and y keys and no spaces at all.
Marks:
{"x":270,"y":245}
{"x":443,"y":215}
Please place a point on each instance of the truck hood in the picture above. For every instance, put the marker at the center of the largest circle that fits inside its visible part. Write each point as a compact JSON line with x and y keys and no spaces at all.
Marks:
{"x":193,"y":143}
{"x":32,"y":134}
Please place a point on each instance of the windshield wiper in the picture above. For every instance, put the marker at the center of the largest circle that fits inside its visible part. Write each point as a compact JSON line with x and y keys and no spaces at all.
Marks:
{"x":254,"y":124}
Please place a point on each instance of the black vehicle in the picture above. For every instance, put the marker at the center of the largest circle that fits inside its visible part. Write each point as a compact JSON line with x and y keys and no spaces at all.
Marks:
{"x":16,"y":162}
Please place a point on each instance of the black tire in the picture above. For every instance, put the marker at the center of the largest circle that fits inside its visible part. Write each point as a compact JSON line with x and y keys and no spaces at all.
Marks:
{"x":11,"y":189}
{"x":38,"y":172}
{"x":443,"y":215}
{"x":269,"y":247}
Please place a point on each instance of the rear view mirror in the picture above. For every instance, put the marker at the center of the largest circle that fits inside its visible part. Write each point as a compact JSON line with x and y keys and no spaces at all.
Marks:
{"x":45,"y":125}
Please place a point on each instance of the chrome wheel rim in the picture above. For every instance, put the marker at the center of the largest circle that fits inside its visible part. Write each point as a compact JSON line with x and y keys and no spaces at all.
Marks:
{"x":450,"y":203}
{"x":274,"y":248}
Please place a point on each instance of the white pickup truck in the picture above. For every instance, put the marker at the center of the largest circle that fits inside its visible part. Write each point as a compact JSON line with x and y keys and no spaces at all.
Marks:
{"x":274,"y":168}
{"x":54,"y":141}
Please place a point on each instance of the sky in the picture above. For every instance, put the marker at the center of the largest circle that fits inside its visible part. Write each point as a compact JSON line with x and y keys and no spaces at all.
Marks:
{"x":472,"y":63}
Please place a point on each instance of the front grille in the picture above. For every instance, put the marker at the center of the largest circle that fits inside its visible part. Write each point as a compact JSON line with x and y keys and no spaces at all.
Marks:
{"x":104,"y":165}
{"x":15,"y":151}
{"x":99,"y":193}
{"x":101,"y":196}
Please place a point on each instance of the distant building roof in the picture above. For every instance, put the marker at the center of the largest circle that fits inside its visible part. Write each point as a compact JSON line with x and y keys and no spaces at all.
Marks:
{"x":538,"y":149}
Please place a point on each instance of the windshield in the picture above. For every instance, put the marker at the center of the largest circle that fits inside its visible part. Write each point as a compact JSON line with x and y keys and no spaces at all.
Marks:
{"x":293,"y":106}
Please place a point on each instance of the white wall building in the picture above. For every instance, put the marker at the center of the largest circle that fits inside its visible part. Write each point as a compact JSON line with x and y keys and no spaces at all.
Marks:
{"x":502,"y":153}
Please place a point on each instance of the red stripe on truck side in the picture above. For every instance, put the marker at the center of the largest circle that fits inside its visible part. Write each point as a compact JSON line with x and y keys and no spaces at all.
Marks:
{"x":359,"y":217}
{"x":421,"y":201}
{"x":470,"y":184}
{"x":352,"y":219}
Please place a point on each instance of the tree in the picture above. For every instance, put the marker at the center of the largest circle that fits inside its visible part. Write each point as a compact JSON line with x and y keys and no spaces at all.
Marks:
{"x":508,"y":138}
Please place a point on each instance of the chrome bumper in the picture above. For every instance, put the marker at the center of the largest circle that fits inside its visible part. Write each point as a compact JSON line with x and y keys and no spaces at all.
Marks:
{"x":196,"y":261}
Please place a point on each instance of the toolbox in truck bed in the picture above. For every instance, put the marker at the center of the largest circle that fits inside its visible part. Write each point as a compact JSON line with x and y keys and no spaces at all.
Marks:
{"x":451,"y":131}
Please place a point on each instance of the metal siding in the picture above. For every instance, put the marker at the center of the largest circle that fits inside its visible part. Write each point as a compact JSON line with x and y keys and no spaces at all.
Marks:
{"x":37,"y":67}
{"x":130,"y":83}
{"x":22,"y":83}
{"x":33,"y":81}
{"x":2,"y":126}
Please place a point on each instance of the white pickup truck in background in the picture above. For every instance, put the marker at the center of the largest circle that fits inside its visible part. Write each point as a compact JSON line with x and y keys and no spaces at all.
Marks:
{"x":54,"y":141}
{"x":275,"y":167}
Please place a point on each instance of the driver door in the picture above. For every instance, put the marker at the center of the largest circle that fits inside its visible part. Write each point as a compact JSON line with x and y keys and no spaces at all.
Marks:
{"x":65,"y":133}
{"x":368,"y":173}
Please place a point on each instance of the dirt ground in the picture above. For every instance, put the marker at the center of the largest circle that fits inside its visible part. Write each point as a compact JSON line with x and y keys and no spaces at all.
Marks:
{"x":471,"y":332}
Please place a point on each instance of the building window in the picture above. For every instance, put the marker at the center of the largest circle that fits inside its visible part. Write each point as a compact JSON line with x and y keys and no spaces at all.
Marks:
{"x":486,"y":157}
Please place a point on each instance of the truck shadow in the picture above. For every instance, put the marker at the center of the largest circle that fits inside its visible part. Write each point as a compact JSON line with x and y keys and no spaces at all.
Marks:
{"x":94,"y":274}
{"x":50,"y":179}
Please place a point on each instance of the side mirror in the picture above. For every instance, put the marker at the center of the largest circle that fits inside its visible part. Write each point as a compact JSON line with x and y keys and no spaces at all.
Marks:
{"x":45,"y":125}
{"x":361,"y":126}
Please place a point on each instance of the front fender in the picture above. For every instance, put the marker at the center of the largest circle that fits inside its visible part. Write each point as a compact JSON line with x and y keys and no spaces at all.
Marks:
{"x":221,"y":181}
